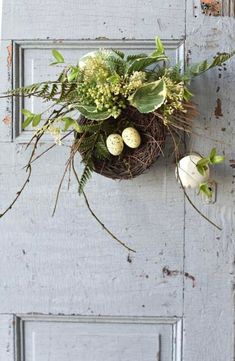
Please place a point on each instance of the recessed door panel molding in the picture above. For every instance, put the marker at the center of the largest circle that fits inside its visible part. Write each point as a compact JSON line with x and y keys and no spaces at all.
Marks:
{"x":75,"y":338}
{"x":32,"y":59}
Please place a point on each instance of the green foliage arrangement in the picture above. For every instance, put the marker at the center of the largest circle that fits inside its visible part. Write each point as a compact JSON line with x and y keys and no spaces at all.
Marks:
{"x":101,"y":87}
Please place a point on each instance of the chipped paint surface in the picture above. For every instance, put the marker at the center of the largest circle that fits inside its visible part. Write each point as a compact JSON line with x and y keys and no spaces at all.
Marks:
{"x":9,"y":57}
{"x":218,"y":108}
{"x":211,"y":7}
{"x":7,"y":120}
{"x":67,"y":265}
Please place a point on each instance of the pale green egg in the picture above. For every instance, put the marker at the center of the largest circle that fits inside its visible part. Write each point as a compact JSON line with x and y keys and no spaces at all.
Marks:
{"x":115,"y":144}
{"x":131,"y":137}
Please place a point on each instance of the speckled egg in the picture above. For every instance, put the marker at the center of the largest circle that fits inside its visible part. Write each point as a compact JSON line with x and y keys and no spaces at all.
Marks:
{"x":188,"y":173}
{"x":115,"y":144}
{"x":131,"y":137}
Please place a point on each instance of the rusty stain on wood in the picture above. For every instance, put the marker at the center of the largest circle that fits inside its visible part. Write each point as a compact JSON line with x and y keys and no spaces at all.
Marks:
{"x":232,"y":163}
{"x":9,"y":57}
{"x":218,"y":108}
{"x":211,"y":7}
{"x":167,"y":272}
{"x":7,"y":120}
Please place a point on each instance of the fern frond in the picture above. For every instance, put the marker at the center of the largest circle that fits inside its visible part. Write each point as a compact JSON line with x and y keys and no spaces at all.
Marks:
{"x":119,"y":53}
{"x":101,"y":151}
{"x":88,"y":143}
{"x":136,"y":56}
{"x":86,"y":176}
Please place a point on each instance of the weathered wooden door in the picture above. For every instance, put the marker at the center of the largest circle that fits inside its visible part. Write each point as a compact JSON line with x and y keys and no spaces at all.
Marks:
{"x":67,"y":291}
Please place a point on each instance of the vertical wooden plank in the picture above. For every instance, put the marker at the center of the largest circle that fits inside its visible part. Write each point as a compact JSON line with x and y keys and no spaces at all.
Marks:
{"x":7,"y":337}
{"x":83,"y":19}
{"x":209,"y":253}
{"x":5,"y":84}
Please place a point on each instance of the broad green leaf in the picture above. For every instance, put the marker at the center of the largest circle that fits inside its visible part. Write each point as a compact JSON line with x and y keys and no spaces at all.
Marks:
{"x":149,"y":97}
{"x":73,"y":73}
{"x":58,"y":57}
{"x":142,"y":63}
{"x":202,"y":169}
{"x":69,"y":122}
{"x":26,"y":112}
{"x":114,"y":79}
{"x":202,"y":165}
{"x":159,"y":45}
{"x":91,"y":113}
{"x":203,"y":161}
{"x":27,"y":121}
{"x":212,"y":154}
{"x":187,"y":94}
{"x":205,"y":189}
{"x":36,"y":119}
{"x":218,"y":159}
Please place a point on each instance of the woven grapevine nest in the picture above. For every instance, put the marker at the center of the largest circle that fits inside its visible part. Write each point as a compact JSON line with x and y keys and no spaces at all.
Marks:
{"x":133,"y":162}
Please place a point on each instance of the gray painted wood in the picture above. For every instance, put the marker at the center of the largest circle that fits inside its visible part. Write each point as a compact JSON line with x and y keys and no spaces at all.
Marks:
{"x":66,"y":264}
{"x":86,"y":19}
{"x":7,"y":327}
{"x":99,"y":338}
{"x":209,"y":254}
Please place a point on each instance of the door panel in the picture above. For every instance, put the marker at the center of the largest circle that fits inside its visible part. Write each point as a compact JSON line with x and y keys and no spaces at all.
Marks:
{"x":76,"y":294}
{"x":86,"y":19}
{"x":99,"y":338}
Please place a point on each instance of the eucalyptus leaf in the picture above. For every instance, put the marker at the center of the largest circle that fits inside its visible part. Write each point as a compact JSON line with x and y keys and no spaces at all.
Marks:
{"x":149,"y":97}
{"x":27,"y":121}
{"x":36,"y":119}
{"x":159,"y":45}
{"x":73,"y":74}
{"x":58,"y":57}
{"x":69,"y":122}
{"x":205,"y":189}
{"x":218,"y":159}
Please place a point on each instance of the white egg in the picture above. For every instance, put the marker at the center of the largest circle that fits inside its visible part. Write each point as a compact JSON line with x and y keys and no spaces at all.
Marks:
{"x":115,"y":144}
{"x":131,"y":137}
{"x":187,"y":172}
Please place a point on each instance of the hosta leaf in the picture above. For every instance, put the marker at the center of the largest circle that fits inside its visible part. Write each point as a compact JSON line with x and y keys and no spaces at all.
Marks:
{"x":149,"y":97}
{"x":91,"y":112}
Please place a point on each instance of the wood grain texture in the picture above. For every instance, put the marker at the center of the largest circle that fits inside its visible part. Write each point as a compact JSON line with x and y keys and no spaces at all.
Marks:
{"x":7,"y":337}
{"x":85,"y":19}
{"x":5,"y":84}
{"x":209,"y":254}
{"x":67,"y":264}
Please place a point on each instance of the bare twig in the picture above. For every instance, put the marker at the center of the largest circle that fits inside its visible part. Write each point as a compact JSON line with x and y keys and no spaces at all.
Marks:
{"x":95,"y":216}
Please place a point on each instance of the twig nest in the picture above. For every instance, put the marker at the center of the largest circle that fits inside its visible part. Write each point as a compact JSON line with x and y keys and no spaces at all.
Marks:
{"x":186,"y":172}
{"x":131,"y":137}
{"x":115,"y":144}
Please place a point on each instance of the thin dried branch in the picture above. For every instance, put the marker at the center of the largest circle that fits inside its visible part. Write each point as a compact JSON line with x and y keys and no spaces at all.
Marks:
{"x":95,"y":216}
